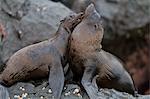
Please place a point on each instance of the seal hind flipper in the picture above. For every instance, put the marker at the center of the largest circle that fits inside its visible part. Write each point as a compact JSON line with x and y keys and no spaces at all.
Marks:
{"x":87,"y":82}
{"x":56,"y":79}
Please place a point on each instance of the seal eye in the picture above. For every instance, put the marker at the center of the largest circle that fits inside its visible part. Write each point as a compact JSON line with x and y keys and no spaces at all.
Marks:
{"x":73,"y":50}
{"x":72,"y":16}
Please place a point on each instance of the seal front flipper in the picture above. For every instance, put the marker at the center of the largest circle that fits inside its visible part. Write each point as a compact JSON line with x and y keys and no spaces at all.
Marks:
{"x":86,"y":81}
{"x":94,"y":81}
{"x":3,"y":92}
{"x":56,"y":79}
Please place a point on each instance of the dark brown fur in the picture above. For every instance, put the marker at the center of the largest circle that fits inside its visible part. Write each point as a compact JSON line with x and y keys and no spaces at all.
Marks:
{"x":42,"y":59}
{"x":87,"y":59}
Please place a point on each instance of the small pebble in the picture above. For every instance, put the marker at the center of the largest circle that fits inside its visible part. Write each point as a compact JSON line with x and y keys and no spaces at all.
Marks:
{"x":20,"y":88}
{"x":20,"y":32}
{"x":23,"y":89}
{"x":101,"y":89}
{"x":44,"y":8}
{"x":76,"y":91}
{"x":43,"y":88}
{"x":16,"y":96}
{"x":10,"y":12}
{"x":38,"y":9}
{"x":65,"y":88}
{"x":79,"y":95}
{"x":67,"y":94}
{"x":24,"y":95}
{"x":42,"y":97}
{"x":50,"y":91}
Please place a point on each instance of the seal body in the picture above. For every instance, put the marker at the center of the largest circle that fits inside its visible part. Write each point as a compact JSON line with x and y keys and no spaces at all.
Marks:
{"x":112,"y":74}
{"x":89,"y":61}
{"x":43,"y":59}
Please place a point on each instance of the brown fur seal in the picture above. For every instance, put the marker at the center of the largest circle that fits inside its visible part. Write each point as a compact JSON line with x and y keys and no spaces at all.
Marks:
{"x":41,"y":59}
{"x":87,"y":59}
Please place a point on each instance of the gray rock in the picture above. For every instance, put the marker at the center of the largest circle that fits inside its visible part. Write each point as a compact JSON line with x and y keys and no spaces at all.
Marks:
{"x":124,"y":15}
{"x":68,"y":3}
{"x":71,"y":91}
{"x":27,"y":22}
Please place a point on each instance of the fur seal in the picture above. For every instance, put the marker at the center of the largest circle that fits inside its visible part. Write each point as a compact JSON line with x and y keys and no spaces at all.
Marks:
{"x":88,"y":60}
{"x":42,"y":59}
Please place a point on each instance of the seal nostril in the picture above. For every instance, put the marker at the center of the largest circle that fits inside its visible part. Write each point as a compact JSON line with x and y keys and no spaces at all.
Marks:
{"x":73,"y":50}
{"x":96,"y":26}
{"x":74,"y":24}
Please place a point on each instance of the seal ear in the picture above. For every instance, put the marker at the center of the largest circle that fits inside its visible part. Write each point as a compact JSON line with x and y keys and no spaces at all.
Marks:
{"x":90,"y":9}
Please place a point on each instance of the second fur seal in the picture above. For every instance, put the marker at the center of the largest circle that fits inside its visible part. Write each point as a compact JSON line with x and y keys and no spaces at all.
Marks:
{"x":42,"y":59}
{"x":87,"y":59}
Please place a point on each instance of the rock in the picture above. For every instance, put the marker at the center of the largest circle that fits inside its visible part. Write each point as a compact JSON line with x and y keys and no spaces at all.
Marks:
{"x":138,"y":65}
{"x":68,"y":3}
{"x":27,"y":22}
{"x":43,"y":92}
{"x":124,"y":15}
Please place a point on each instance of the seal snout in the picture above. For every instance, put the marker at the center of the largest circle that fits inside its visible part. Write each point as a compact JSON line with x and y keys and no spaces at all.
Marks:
{"x":92,"y":12}
{"x":72,"y":21}
{"x":90,"y":9}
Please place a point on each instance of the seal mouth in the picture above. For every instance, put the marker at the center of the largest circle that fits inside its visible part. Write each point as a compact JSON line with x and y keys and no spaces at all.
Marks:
{"x":77,"y":20}
{"x":3,"y":83}
{"x":71,"y":21}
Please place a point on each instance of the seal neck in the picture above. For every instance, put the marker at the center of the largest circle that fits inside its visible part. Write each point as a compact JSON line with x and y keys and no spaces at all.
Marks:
{"x":61,"y":40}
